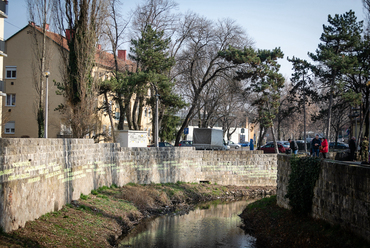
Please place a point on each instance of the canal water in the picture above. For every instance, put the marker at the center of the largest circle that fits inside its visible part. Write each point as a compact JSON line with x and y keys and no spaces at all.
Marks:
{"x":212,"y":224}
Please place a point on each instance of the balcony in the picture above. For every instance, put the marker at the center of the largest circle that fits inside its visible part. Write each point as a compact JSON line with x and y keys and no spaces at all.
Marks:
{"x":4,"y":9}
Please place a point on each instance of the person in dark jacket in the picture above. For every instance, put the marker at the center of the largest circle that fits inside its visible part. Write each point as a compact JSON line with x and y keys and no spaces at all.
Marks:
{"x":352,"y":149}
{"x":293,"y":146}
{"x":315,"y":144}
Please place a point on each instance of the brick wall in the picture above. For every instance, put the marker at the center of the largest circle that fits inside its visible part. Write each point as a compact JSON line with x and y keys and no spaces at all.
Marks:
{"x":38,"y":176}
{"x":341,"y":194}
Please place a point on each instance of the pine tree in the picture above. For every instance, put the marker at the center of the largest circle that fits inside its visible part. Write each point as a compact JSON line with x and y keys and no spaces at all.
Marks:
{"x":335,"y":54}
{"x":150,"y":52}
{"x":263,"y":72}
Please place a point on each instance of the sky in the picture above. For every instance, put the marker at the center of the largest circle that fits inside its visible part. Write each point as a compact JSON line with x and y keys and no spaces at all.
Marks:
{"x":293,"y":25}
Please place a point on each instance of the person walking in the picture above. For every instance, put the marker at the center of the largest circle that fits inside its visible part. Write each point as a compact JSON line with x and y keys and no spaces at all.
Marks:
{"x":315,"y":145}
{"x":293,"y":146}
{"x":352,"y":149}
{"x":324,"y":147}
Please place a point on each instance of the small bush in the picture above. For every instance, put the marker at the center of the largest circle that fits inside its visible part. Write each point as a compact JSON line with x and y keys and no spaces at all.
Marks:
{"x":84,"y":197}
{"x":101,"y":189}
{"x":94,"y":192}
{"x":113,"y":186}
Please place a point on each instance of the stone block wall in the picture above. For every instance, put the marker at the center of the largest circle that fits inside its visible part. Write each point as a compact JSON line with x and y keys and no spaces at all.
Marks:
{"x":38,"y":176}
{"x":341,"y":194}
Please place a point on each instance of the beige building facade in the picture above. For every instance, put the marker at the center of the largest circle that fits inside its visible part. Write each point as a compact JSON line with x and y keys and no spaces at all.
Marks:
{"x":3,"y":54}
{"x":21,"y":74}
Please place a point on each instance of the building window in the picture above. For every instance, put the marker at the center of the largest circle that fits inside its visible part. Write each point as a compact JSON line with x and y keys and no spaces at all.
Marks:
{"x":11,"y":72}
{"x":10,"y":127}
{"x":10,"y":99}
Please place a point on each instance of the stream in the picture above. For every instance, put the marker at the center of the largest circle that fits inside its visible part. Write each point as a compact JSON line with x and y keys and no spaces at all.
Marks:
{"x":211,"y":224}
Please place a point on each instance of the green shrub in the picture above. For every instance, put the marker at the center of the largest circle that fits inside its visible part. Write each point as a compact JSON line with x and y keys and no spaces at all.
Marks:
{"x":84,"y":197}
{"x":102,"y":188}
{"x":304,"y":174}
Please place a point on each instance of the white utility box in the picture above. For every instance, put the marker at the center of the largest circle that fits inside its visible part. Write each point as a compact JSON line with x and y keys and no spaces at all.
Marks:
{"x":132,"y":138}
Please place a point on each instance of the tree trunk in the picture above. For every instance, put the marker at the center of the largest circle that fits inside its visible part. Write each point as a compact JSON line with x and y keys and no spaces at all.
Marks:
{"x":187,"y":119}
{"x":367,"y":124}
{"x":274,"y":139}
{"x":108,"y":107}
{"x":140,"y":114}
{"x":128,"y":112}
{"x":122,"y":112}
{"x":304,"y":119}
{"x":330,"y":107}
{"x":134,"y":112}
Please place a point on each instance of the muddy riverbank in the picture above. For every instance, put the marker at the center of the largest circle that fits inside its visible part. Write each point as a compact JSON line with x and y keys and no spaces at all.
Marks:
{"x":102,"y":218}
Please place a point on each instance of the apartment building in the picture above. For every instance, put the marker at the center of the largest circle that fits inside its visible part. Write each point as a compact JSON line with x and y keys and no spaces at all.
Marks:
{"x":21,"y":104}
{"x":3,"y":53}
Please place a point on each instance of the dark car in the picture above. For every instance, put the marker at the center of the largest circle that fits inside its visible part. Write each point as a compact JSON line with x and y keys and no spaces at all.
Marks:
{"x":270,"y":148}
{"x":339,"y":145}
{"x":161,"y":144}
{"x":244,"y":144}
{"x":186,"y":143}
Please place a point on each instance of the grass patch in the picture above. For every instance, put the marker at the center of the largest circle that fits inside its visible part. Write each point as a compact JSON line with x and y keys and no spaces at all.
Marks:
{"x":132,"y":184}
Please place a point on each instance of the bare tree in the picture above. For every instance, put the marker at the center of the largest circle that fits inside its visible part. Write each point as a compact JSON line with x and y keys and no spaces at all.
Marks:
{"x":39,"y":14}
{"x":199,"y":64}
{"x":115,"y":29}
{"x":156,"y":13}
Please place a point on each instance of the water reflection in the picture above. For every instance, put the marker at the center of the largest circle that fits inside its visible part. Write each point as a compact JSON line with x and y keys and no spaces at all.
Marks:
{"x":210,"y":225}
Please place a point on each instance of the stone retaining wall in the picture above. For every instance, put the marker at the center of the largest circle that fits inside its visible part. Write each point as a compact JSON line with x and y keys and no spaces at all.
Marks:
{"x":341,"y":194}
{"x":38,"y":176}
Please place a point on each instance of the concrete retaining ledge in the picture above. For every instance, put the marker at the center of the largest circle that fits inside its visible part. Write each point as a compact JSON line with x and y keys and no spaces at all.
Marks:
{"x":38,"y":176}
{"x":341,"y":194}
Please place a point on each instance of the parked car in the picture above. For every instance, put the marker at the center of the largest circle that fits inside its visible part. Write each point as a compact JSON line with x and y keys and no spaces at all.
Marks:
{"x":339,"y":145}
{"x":244,"y":144}
{"x":161,"y":144}
{"x":186,"y":143}
{"x":286,"y":144}
{"x":270,"y":148}
{"x":233,"y":145}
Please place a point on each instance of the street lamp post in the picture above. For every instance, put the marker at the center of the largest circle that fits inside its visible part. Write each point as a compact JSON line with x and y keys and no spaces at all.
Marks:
{"x":47,"y":74}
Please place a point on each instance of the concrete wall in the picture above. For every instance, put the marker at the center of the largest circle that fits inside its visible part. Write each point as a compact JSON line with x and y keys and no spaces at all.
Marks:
{"x":341,"y":194}
{"x":41,"y":175}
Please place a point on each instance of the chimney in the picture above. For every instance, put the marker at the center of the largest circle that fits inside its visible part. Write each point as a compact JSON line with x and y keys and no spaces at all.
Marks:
{"x":122,"y":54}
{"x":31,"y":23}
{"x":47,"y":26}
{"x":69,"y":34}
{"x":99,"y":47}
